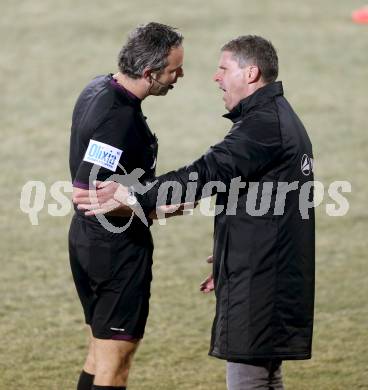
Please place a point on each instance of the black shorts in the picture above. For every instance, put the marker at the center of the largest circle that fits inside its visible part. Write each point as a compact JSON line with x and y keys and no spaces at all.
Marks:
{"x":112,"y":274}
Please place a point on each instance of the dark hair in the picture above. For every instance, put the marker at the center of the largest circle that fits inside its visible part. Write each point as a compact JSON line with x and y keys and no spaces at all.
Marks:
{"x":148,"y":46}
{"x":255,"y":50}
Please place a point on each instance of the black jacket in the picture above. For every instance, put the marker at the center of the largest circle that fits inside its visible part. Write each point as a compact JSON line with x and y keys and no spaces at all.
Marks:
{"x":263,"y":263}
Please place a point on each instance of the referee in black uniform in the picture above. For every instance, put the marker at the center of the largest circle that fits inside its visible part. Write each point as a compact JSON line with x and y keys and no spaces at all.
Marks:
{"x":112,"y":272}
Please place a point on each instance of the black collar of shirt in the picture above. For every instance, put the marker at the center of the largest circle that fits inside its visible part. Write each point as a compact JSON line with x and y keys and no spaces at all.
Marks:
{"x":134,"y":100}
{"x":259,"y":97}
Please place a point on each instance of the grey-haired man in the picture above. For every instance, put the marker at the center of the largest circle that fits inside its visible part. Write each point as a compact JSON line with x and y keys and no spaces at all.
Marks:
{"x":112,"y":272}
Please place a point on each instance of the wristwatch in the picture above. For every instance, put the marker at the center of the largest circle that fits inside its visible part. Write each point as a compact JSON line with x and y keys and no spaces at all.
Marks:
{"x":131,"y":198}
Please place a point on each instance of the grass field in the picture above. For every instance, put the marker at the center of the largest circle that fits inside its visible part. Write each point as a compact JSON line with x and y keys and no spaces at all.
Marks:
{"x":50,"y":50}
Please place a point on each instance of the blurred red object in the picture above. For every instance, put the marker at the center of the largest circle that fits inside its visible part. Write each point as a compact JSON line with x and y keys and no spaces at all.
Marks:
{"x":360,"y":15}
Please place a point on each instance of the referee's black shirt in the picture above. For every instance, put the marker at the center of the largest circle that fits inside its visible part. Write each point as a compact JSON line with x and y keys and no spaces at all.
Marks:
{"x":108,"y":127}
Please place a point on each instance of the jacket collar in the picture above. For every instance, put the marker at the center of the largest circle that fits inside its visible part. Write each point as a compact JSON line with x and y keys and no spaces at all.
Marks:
{"x":259,"y":97}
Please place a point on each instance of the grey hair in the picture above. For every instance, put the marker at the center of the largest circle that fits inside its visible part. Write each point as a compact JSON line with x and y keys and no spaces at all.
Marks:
{"x":255,"y":50}
{"x":148,"y":46}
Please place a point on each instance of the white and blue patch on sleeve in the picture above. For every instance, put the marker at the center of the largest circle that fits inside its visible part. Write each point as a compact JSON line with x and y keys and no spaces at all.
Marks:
{"x":104,"y":155}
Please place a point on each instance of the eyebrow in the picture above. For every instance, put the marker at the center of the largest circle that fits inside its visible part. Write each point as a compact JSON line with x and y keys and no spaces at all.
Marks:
{"x":178,"y":67}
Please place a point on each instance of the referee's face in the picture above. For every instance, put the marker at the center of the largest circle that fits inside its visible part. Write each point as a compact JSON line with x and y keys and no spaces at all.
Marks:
{"x":166,"y":79}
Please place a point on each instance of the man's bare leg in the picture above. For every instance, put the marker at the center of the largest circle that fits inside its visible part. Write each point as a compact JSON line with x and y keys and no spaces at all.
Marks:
{"x":89,"y":364}
{"x":87,"y":375}
{"x":113,"y":359}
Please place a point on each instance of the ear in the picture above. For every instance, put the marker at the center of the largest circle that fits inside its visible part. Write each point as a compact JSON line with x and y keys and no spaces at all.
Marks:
{"x":253,"y":74}
{"x":147,"y":74}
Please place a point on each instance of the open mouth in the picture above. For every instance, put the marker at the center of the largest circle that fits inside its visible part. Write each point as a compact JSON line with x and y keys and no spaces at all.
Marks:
{"x":224,"y":91}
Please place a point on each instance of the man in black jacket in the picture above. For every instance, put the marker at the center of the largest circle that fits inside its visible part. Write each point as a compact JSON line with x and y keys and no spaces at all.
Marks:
{"x":263,"y":255}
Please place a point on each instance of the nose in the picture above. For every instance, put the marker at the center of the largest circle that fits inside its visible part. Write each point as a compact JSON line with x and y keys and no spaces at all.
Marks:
{"x":216,"y":77}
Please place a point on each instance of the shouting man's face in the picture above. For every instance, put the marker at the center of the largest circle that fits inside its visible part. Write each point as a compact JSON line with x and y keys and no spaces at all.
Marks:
{"x":232,"y":79}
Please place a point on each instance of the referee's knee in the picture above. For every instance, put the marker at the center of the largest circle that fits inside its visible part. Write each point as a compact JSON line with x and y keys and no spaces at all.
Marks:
{"x":112,"y":374}
{"x":113,"y":360}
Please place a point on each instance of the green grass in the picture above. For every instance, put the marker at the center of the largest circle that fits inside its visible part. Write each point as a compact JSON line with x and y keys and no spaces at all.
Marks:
{"x":50,"y":50}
